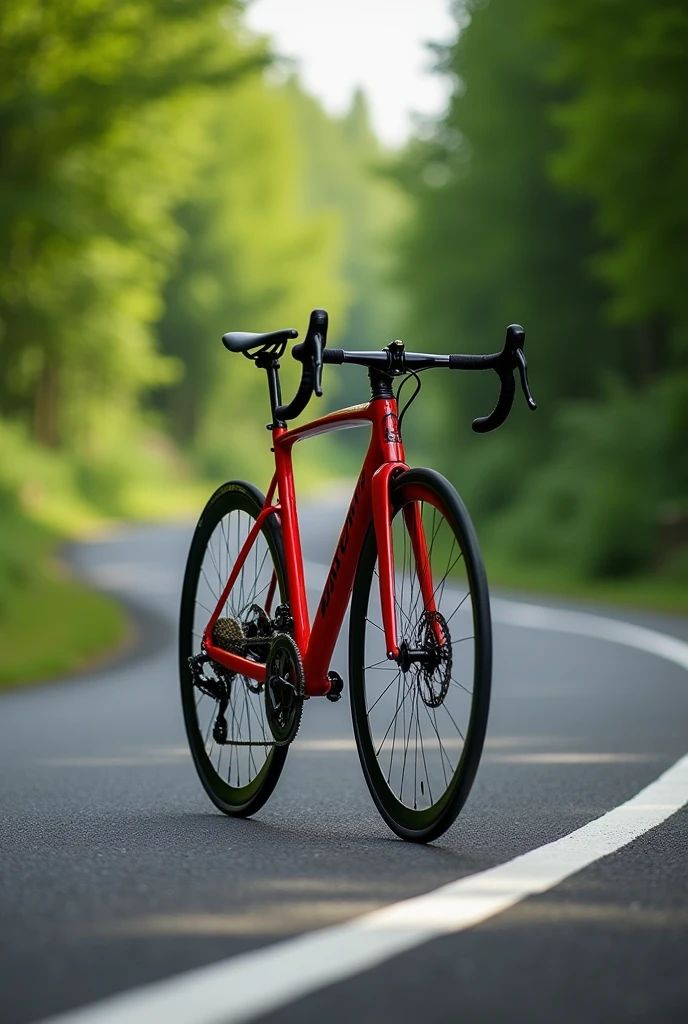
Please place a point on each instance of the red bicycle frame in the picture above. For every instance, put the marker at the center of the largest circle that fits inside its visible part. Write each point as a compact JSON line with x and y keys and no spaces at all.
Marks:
{"x":370,"y":503}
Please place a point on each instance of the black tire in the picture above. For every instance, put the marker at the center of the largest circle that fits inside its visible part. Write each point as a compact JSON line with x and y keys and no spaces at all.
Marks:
{"x":224,"y":523}
{"x":422,"y":815}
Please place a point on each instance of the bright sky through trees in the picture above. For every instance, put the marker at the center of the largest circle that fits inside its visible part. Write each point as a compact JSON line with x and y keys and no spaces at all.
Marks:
{"x":376,"y":44}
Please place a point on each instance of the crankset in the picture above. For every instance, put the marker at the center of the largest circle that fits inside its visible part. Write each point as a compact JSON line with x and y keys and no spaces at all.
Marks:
{"x":284,"y":689}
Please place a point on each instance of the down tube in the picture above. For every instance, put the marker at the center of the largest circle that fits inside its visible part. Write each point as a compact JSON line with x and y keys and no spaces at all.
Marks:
{"x":331,"y":610}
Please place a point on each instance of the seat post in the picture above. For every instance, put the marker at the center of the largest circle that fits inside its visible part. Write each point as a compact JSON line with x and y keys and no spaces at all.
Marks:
{"x":270,"y":363}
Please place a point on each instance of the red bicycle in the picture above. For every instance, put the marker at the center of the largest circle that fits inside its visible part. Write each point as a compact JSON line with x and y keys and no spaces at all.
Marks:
{"x":420,"y":639}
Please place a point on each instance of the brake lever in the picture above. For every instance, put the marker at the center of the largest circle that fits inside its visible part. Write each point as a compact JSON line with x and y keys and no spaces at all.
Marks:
{"x":523,"y":374}
{"x":317,"y":364}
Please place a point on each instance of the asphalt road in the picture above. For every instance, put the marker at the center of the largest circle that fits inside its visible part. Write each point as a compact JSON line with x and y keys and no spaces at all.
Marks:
{"x":116,"y":871}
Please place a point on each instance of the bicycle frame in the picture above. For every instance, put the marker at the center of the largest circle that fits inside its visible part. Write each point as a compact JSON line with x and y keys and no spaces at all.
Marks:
{"x":370,"y":502}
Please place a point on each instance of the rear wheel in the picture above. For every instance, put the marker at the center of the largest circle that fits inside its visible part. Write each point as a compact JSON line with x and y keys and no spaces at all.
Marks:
{"x":225,"y":714}
{"x":420,"y":722}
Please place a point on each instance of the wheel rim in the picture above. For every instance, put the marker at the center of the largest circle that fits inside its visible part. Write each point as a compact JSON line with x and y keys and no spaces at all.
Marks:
{"x":240,"y":765}
{"x":419,"y":714}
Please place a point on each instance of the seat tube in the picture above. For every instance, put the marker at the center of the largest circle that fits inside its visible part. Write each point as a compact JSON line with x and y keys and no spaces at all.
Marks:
{"x":298,"y":601}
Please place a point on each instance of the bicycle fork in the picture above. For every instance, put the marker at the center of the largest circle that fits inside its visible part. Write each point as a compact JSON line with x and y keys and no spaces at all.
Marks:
{"x":382,"y":519}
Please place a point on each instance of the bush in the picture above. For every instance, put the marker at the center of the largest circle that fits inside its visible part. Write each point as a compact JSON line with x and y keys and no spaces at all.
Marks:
{"x":593,"y":507}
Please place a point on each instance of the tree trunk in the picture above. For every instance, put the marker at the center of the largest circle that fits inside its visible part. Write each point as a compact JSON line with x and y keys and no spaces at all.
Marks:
{"x":46,"y":405}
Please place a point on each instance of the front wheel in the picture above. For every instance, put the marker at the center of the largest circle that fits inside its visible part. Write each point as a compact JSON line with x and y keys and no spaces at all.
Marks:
{"x":420,"y":721}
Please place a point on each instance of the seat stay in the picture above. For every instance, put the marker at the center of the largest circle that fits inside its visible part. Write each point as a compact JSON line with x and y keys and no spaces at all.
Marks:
{"x":234,"y":662}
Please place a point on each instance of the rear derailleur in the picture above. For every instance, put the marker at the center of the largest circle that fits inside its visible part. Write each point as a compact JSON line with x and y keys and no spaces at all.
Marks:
{"x":219,"y":687}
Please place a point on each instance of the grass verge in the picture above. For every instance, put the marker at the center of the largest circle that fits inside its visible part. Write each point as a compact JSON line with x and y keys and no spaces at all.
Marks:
{"x":50,"y":624}
{"x":649,"y":593}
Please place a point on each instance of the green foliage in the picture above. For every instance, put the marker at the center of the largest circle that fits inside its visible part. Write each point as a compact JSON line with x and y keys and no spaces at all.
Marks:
{"x":625,"y":143}
{"x":251,"y":259}
{"x":346,"y":172}
{"x":155,"y":191}
{"x":288,"y":213}
{"x":93,"y":164}
{"x":553,"y":193}
{"x":592,"y":507}
{"x":49,"y":623}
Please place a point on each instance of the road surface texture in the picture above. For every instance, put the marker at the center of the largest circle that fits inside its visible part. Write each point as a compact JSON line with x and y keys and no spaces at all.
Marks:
{"x":116,"y":871}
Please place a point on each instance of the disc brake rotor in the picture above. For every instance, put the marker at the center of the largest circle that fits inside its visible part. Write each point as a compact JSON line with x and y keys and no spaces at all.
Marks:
{"x":434,"y":675}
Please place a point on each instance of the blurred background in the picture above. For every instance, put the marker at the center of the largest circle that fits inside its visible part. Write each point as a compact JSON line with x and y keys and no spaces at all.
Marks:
{"x":173,"y":169}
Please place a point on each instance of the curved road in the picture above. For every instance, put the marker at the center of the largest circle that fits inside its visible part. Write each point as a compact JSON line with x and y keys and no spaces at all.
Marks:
{"x":116,"y":871}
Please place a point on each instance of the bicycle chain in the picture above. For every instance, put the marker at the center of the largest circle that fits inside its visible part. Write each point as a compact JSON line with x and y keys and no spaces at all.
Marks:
{"x":195,"y":674}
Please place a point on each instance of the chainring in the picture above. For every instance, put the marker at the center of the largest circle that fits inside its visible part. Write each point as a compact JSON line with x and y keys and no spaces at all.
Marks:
{"x":434,"y":675}
{"x":284,"y":689}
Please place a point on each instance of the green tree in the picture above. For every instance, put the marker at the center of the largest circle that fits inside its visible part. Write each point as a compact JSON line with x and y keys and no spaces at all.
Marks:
{"x":252,"y":258}
{"x":625,"y":147}
{"x":492,"y":241}
{"x":92,"y":163}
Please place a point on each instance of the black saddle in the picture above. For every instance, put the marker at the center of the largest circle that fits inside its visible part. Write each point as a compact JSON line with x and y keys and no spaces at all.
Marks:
{"x":242,"y":341}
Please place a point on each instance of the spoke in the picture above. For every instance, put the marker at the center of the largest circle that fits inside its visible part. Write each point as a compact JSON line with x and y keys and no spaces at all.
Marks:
{"x":466,"y":595}
{"x":415,"y":763}
{"x":221,"y":579}
{"x":383,"y":661}
{"x":241,"y":574}
{"x":399,"y":681}
{"x":427,"y":565}
{"x":250,"y":738}
{"x":444,"y":580}
{"x":442,"y":750}
{"x":241,"y":718}
{"x":396,"y":715}
{"x":261,"y":721}
{"x":255,"y":567}
{"x":246,"y":604}
{"x":396,"y":602}
{"x":404,"y":533}
{"x":457,"y":683}
{"x":210,"y":587}
{"x":374,"y":624}
{"x":207,"y":735}
{"x":444,"y":705}
{"x":425,"y":765}
{"x":210,"y":551}
{"x":394,"y":731}
{"x":389,"y":685}
{"x":235,"y":735}
{"x":413,"y":577}
{"x":407,"y":740}
{"x":225,"y":574}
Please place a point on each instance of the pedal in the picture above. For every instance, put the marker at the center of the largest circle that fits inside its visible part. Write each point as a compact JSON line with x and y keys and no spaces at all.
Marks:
{"x":336,"y":686}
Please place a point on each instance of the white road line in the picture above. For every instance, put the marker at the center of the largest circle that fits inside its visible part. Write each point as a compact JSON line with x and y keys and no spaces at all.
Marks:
{"x":255,"y":983}
{"x":557,"y":620}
